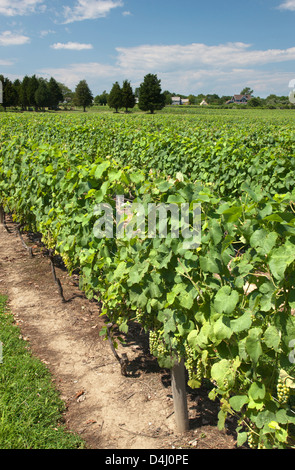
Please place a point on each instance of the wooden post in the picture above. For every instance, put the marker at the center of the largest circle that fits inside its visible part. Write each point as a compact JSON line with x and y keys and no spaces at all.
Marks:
{"x":180,"y":397}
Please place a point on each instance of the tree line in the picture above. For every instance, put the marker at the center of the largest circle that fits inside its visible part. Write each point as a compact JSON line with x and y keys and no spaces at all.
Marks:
{"x":40,"y":93}
{"x":31,"y":92}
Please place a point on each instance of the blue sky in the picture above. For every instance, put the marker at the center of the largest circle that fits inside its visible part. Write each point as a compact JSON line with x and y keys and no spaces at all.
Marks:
{"x":193,"y":46}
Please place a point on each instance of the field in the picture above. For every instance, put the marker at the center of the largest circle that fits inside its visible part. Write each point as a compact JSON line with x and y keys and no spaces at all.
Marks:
{"x":227,"y":306}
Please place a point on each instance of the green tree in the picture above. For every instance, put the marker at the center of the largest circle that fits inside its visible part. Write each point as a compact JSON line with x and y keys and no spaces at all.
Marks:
{"x":151,"y":97}
{"x":83,"y":96}
{"x":55,"y":92}
{"x":128,"y":97}
{"x":192,"y":99}
{"x":247,"y":91}
{"x":102,"y":99}
{"x":42,"y":94}
{"x":212,"y":99}
{"x":9,"y":93}
{"x":23,"y":94}
{"x":115,"y":97}
{"x":17,"y":86}
{"x":168,"y":97}
{"x":67,"y":93}
{"x":255,"y":102}
{"x":200,"y":98}
{"x":33,"y":85}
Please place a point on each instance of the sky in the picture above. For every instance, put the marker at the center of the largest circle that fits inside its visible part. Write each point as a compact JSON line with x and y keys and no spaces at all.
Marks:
{"x":211,"y":46}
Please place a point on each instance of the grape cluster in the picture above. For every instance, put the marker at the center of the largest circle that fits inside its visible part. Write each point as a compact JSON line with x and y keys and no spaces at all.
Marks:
{"x":194,"y":367}
{"x":153,"y":342}
{"x":252,"y":440}
{"x":283,"y":391}
{"x":139,"y":316}
{"x":157,"y":347}
{"x":161,"y":350}
{"x":144,"y":319}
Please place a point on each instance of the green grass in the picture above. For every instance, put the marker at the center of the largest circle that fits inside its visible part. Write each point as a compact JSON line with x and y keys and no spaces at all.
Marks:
{"x":31,"y":410}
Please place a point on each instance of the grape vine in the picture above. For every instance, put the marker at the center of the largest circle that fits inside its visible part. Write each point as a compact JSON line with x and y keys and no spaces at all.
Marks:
{"x":226,"y":307}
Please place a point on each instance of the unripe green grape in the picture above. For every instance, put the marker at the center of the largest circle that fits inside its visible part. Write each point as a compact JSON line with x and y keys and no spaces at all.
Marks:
{"x":283,"y":391}
{"x":252,"y":440}
{"x":153,"y":342}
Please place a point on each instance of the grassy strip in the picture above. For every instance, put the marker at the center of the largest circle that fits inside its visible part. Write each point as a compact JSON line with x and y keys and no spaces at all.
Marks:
{"x":30,"y":406}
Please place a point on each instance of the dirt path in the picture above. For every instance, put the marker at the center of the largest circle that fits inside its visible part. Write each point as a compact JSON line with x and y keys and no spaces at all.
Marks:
{"x":110,"y":411}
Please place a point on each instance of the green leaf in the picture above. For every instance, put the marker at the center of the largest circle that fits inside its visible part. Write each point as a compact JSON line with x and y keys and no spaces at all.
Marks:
{"x":186,"y":300}
{"x":216,"y":232}
{"x":209,"y":264}
{"x":255,"y":194}
{"x":167,"y":317}
{"x":272,"y":338}
{"x":193,"y":383}
{"x":124,"y":327}
{"x":222,"y":370}
{"x":242,"y":323}
{"x":137,"y":177}
{"x":238,"y":401}
{"x":141,"y":300}
{"x":253,"y":344}
{"x":232,"y":214}
{"x":226,"y":300}
{"x":280,"y":259}
{"x":199,"y":339}
{"x":263,"y":241}
{"x":101,"y":168}
{"x":257,"y":391}
{"x":222,"y":329}
{"x":222,"y":415}
{"x":241,"y":438}
{"x":176,"y":199}
{"x":120,"y":270}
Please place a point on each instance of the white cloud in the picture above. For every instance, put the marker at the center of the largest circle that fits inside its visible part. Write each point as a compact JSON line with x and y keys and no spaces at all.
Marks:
{"x":90,"y":10}
{"x":171,"y":57}
{"x":19,"y":7}
{"x":7,"y":38}
{"x":5,"y":63}
{"x":72,"y":46}
{"x":126,"y":13}
{"x":288,"y":5}
{"x":46,"y":32}
{"x":72,"y":74}
{"x":224,"y":69}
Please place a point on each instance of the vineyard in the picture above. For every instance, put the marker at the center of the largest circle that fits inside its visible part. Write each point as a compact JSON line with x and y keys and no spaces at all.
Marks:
{"x":225,"y":309}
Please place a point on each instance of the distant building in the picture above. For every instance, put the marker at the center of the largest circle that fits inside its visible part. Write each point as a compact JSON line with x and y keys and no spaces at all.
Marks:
{"x":204,"y":103}
{"x":240,"y":99}
{"x":177,"y":101}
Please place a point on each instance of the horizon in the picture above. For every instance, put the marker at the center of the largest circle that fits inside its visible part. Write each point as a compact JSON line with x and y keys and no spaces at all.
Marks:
{"x":194,"y":48}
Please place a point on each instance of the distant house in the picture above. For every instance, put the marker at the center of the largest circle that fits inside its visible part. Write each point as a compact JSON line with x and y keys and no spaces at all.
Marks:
{"x":177,"y":101}
{"x":240,"y":99}
{"x":204,"y":103}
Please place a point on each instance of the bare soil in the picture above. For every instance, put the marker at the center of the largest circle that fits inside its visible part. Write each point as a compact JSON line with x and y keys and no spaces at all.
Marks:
{"x":108,"y":410}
